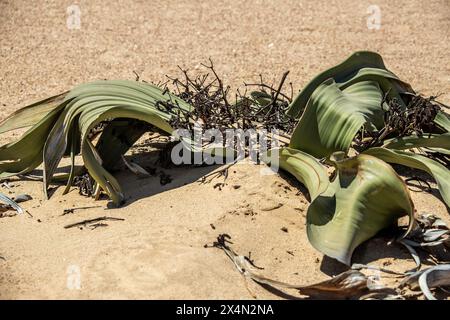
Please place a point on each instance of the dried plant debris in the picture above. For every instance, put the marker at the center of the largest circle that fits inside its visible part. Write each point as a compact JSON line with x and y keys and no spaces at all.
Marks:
{"x":92,"y":222}
{"x":215,"y":174}
{"x":352,"y":284}
{"x":85,"y":184}
{"x":414,"y":116}
{"x":431,"y":278}
{"x":6,"y":184}
{"x":429,"y":231}
{"x":72,"y":210}
{"x":431,"y":235}
{"x":97,"y":130}
{"x":418,"y":117}
{"x":214,"y":106}
{"x":164,"y":178}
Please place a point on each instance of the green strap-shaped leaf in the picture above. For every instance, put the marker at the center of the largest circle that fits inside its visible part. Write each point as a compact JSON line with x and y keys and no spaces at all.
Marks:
{"x":25,"y":154}
{"x":333,"y":117}
{"x":32,"y":114}
{"x":342,"y":73}
{"x":439,"y":172}
{"x":74,"y":148}
{"x":365,"y":197}
{"x":90,"y":100}
{"x":438,"y":150}
{"x":443,"y":119}
{"x":389,"y":84}
{"x":61,"y":123}
{"x":92,"y":117}
{"x":304,"y":167}
{"x":425,"y":140}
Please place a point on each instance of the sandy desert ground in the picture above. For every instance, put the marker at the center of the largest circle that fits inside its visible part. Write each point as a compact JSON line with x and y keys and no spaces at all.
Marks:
{"x":158,"y":250}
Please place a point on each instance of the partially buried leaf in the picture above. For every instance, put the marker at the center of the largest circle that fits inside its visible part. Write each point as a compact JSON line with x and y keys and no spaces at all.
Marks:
{"x":304,"y":167}
{"x":365,"y":197}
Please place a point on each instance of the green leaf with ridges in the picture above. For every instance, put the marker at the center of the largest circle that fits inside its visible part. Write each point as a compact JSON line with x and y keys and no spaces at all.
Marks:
{"x":414,"y":141}
{"x":342,"y":73}
{"x":333,"y":117}
{"x":32,"y":114}
{"x":443,"y":119}
{"x":439,"y":172}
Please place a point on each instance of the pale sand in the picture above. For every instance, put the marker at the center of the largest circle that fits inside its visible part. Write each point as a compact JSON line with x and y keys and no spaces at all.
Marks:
{"x":157,"y":252}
